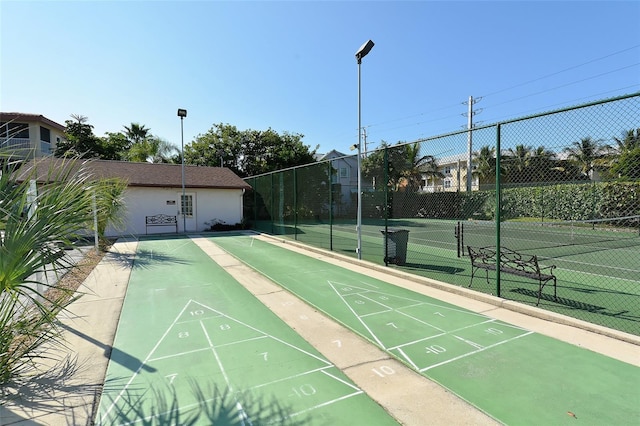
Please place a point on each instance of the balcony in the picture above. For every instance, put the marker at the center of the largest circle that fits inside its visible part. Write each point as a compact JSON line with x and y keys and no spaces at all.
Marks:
{"x":15,"y":143}
{"x":24,"y":144}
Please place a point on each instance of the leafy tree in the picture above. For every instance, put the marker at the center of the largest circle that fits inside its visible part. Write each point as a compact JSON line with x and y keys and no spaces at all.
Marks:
{"x":79,"y":140}
{"x":248,"y":152}
{"x":114,"y":146}
{"x":627,"y":165}
{"x":373,"y":166}
{"x":406,"y":168}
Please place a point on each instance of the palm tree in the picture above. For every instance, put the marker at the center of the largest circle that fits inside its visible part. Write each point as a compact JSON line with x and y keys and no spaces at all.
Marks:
{"x":517,"y":162}
{"x":541,"y":163}
{"x":81,"y":119}
{"x":484,"y":162}
{"x":153,"y":150}
{"x":163,"y":151}
{"x":137,"y":133}
{"x":418,"y":167}
{"x":629,"y":141}
{"x":34,"y":225}
{"x":585,"y":153}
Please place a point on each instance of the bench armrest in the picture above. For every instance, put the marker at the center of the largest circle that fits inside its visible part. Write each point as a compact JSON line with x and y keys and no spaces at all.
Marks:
{"x":550,"y":267}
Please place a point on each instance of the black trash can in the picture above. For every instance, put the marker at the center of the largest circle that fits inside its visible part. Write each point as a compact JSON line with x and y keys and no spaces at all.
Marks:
{"x":395,"y":245}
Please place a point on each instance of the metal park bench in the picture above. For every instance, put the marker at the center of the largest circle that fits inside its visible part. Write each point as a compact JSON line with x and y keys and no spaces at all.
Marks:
{"x":512,"y":262}
{"x":161,"y":220}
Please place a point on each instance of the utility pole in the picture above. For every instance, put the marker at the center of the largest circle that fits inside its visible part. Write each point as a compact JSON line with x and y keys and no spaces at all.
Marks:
{"x":470,"y":115}
{"x":364,"y":135}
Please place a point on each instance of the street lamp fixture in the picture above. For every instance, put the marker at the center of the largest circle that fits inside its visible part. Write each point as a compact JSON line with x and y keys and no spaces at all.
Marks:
{"x":182,"y":113}
{"x":361,"y":53}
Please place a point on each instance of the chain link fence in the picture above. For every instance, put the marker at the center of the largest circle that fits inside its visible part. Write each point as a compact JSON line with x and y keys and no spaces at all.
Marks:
{"x":559,"y":191}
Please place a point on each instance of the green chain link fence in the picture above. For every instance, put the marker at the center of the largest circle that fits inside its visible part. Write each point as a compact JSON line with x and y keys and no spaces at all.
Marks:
{"x":563,"y":186}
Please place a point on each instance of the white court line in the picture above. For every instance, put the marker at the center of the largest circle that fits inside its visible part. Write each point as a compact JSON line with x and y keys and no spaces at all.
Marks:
{"x":469,"y":342}
{"x":446,"y":333}
{"x":133,"y":376}
{"x":376,"y":313}
{"x":357,"y":316}
{"x":324,"y":404}
{"x":241,"y":413}
{"x":340,"y":380}
{"x":266,"y":334}
{"x":207,"y":348}
{"x":398,"y":311}
{"x":409,"y":360}
{"x":473,"y":352}
{"x":218,"y":315}
{"x":420,"y":321}
{"x":295,"y":376}
{"x":416,"y":302}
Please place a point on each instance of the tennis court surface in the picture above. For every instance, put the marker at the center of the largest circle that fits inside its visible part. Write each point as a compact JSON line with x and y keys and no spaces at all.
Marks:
{"x":238,"y":329}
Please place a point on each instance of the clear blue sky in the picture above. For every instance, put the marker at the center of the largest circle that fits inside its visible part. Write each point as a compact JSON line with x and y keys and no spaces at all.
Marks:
{"x":290,"y":65}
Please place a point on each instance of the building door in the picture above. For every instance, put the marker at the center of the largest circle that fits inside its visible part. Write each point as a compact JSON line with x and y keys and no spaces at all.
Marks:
{"x":187,"y":215}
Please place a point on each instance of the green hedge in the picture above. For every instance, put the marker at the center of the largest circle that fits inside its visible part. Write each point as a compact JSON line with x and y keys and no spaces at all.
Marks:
{"x":571,"y":201}
{"x":579,"y":201}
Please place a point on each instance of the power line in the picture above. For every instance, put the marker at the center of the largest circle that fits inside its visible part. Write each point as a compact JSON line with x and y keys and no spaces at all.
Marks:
{"x":568,"y":102}
{"x":564,"y":70}
{"x":510,"y":88}
{"x":567,"y":84}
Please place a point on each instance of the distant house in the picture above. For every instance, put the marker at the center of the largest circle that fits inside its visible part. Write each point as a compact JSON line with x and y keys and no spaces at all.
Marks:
{"x":29,"y":135}
{"x":345,"y":177}
{"x":454,"y":176}
{"x":212,"y":194}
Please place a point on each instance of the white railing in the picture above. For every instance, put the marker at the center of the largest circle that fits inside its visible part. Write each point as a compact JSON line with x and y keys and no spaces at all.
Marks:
{"x":15,"y":143}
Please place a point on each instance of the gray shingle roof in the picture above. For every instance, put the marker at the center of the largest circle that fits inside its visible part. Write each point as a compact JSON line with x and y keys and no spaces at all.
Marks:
{"x":154,"y":175}
{"x":20,"y":117}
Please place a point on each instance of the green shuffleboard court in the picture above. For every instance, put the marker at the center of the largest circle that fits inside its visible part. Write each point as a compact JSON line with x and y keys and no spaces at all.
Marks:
{"x":597,"y":264}
{"x":516,"y":376}
{"x":194,"y":347}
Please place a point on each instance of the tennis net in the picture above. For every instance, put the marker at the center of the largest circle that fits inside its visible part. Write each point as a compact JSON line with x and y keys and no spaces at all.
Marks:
{"x":604,"y":233}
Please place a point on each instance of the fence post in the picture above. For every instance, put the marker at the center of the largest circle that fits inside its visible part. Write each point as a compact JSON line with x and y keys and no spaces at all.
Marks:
{"x":330,"y":169}
{"x":255,"y":203}
{"x":498,"y":208}
{"x":295,"y":205}
{"x":271,"y":204}
{"x":386,"y":202}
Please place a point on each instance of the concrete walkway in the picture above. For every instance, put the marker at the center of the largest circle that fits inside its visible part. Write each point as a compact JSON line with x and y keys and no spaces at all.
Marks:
{"x":66,"y":388}
{"x":67,"y":392}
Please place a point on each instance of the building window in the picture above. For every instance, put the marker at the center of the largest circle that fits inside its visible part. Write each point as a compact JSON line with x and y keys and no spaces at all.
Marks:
{"x":344,"y":172}
{"x":14,"y":130}
{"x":45,"y":134}
{"x":187,"y":205}
{"x":45,"y":148}
{"x":447,"y":170}
{"x":447,"y":183}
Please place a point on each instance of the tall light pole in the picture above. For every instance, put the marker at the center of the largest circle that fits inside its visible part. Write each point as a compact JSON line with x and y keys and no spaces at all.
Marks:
{"x":361,"y":53}
{"x":182,"y":113}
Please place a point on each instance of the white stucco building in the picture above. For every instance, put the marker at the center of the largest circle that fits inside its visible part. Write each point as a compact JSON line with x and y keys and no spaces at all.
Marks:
{"x":211,"y":194}
{"x":29,"y":135}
